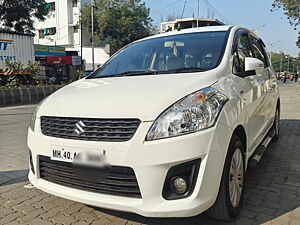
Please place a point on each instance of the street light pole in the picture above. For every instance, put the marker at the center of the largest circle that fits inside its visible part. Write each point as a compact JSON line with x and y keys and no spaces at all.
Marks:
{"x":81,"y":39}
{"x":93,"y":50}
{"x":281,"y":63}
{"x":288,"y":65}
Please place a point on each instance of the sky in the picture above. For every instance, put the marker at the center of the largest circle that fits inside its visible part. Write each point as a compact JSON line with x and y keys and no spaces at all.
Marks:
{"x":273,"y":27}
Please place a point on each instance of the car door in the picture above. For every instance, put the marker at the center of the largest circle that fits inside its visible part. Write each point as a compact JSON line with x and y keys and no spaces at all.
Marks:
{"x":266,"y":110}
{"x":249,"y":88}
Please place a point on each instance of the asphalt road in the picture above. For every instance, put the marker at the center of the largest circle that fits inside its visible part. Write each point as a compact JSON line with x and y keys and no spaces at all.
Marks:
{"x":272,"y":190}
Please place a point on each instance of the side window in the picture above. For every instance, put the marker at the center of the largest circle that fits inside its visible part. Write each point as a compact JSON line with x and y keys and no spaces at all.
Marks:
{"x":258,"y":50}
{"x":241,"y":51}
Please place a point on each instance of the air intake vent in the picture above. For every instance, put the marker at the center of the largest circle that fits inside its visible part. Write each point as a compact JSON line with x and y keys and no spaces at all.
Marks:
{"x":120,"y":181}
{"x":90,"y":129}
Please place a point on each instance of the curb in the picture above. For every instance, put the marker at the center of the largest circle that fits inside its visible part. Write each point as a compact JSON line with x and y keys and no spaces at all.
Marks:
{"x":25,"y":96}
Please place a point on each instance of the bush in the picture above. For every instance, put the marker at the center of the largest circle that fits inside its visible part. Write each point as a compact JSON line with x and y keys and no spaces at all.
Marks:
{"x":15,"y":75}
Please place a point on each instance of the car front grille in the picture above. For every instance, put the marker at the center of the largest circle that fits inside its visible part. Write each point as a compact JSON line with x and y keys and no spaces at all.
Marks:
{"x":120,"y":181}
{"x":113,"y":130}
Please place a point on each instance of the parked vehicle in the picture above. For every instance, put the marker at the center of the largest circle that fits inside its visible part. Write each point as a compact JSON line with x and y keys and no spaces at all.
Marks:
{"x":166,"y":128}
{"x":17,"y":47}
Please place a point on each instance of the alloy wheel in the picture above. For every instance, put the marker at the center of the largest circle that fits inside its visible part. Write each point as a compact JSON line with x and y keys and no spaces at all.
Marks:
{"x":236,"y":177}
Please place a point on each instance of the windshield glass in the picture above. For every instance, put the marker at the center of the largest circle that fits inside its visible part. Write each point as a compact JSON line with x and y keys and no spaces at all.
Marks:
{"x":181,"y":53}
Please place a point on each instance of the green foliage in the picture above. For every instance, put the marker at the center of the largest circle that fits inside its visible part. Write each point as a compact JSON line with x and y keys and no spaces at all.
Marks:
{"x":18,"y":14}
{"x":11,"y":69}
{"x":118,"y":21}
{"x":15,"y":75}
{"x":35,"y":77}
{"x":11,"y":66}
{"x":79,"y":74}
{"x":291,"y":9}
{"x":281,"y":58}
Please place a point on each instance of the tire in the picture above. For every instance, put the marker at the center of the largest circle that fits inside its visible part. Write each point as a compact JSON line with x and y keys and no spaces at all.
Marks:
{"x":276,"y":125}
{"x":226,"y":208}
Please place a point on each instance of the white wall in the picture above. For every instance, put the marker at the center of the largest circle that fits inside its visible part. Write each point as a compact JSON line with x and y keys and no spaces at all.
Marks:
{"x":64,"y":18}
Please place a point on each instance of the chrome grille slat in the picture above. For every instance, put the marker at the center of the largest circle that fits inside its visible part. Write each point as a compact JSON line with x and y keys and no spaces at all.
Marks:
{"x":115,"y":130}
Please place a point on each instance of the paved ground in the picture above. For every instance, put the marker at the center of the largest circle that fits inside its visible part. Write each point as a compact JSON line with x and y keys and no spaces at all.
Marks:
{"x":14,"y":122}
{"x":272,"y":190}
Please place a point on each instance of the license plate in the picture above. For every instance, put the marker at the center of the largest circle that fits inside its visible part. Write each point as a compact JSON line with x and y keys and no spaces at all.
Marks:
{"x":79,"y":156}
{"x":63,"y":154}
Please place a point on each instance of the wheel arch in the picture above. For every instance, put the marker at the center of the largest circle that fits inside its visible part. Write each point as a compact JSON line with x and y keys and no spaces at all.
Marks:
{"x":241,"y":133}
{"x":278,"y":104}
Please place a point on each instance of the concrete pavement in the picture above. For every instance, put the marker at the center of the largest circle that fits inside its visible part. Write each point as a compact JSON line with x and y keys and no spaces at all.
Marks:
{"x":272,"y":190}
{"x":14,"y":122}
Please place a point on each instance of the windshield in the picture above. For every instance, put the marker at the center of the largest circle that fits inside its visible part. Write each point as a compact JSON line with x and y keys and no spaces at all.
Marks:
{"x":181,"y":53}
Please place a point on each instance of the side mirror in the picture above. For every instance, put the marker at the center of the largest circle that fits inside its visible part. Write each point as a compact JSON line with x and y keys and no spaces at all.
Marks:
{"x":253,"y":66}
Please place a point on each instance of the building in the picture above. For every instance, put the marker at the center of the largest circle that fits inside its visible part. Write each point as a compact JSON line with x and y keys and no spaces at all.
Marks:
{"x":56,"y":64}
{"x":188,"y":23}
{"x":62,"y":28}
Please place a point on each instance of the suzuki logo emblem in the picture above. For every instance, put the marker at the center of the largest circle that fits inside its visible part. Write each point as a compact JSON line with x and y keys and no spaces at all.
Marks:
{"x":79,"y":128}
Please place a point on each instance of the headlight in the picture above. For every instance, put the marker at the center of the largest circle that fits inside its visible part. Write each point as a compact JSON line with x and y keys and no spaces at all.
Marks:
{"x":194,"y":112}
{"x":33,"y":117}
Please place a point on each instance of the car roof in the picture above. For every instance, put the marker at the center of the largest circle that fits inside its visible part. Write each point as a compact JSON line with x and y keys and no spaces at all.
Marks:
{"x":191,"y":30}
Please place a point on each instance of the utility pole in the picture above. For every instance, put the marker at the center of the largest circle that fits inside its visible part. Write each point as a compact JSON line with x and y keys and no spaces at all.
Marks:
{"x":81,"y":39}
{"x":288,"y":64}
{"x":93,"y":50}
{"x":281,"y":63}
{"x":183,"y":9}
{"x":198,"y":12}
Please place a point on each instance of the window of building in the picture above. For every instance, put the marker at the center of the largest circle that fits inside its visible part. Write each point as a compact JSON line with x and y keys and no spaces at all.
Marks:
{"x":75,"y":29}
{"x":50,"y":6}
{"x":50,"y":31}
{"x":41,"y":33}
{"x":75,"y":3}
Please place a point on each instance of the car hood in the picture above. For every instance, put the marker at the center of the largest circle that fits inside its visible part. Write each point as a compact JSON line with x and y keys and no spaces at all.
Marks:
{"x":142,"y":97}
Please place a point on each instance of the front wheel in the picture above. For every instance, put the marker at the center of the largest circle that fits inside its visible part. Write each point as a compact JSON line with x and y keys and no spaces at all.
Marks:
{"x":229,"y":200}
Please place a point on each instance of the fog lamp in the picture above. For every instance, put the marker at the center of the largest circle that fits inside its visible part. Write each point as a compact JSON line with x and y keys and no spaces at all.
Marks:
{"x":179,"y":185}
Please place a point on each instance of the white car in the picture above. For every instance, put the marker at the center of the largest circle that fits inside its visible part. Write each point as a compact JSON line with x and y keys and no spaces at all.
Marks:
{"x":166,"y":128}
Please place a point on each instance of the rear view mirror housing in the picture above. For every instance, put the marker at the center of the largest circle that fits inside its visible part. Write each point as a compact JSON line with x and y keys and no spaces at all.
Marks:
{"x":253,"y":66}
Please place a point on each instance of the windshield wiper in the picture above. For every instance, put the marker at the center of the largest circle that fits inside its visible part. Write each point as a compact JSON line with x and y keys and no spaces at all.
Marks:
{"x":132,"y":73}
{"x":185,"y":70}
{"x":155,"y":72}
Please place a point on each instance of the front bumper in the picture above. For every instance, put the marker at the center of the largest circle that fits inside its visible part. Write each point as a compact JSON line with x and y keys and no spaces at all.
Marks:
{"x":150,"y":161}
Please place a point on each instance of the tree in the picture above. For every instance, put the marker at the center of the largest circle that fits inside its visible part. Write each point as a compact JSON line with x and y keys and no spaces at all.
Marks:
{"x":18,"y":15}
{"x":118,"y":21}
{"x":287,"y":62}
{"x":291,"y":9}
